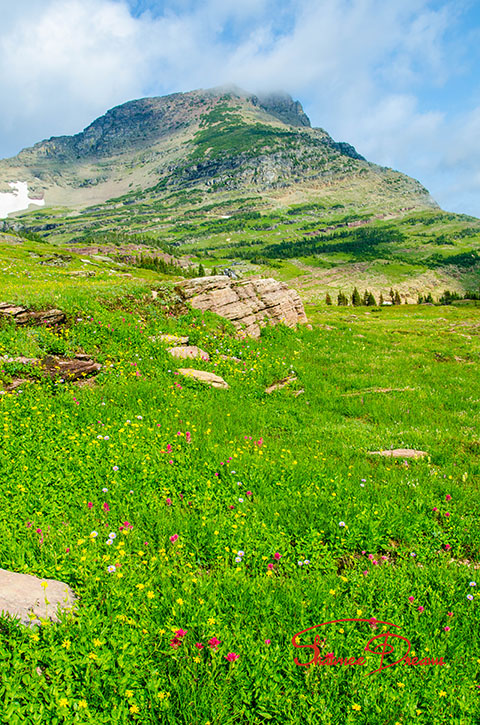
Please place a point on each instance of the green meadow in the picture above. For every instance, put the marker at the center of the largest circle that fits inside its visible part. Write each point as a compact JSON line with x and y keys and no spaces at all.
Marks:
{"x":202,"y":529}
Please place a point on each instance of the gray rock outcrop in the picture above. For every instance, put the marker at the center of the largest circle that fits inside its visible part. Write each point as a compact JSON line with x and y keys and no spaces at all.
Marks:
{"x":248,"y":304}
{"x":31,"y":599}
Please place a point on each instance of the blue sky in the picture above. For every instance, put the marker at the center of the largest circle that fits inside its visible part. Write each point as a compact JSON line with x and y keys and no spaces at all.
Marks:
{"x":399,"y":79}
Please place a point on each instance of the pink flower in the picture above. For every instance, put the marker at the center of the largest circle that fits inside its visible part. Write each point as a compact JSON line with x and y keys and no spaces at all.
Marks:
{"x":38,"y":531}
{"x":375,"y":562}
{"x":90,"y":505}
{"x":173,"y":538}
{"x":169,"y":447}
{"x":370,"y":556}
{"x":435,"y":509}
{"x":175,"y":643}
{"x":447,"y":547}
{"x":447,"y":629}
{"x":449,"y":614}
{"x":168,"y":501}
{"x":446,"y":513}
{"x":198,"y":645}
{"x":411,"y":599}
{"x":249,"y":493}
{"x":106,"y":507}
{"x":231,"y":657}
{"x":421,"y":609}
{"x":180,"y":633}
{"x":269,"y":566}
{"x":231,"y":507}
{"x":448,"y":497}
{"x":365,"y":573}
{"x":277,"y":555}
{"x":67,"y":550}
{"x":267,"y":641}
{"x":214,"y":642}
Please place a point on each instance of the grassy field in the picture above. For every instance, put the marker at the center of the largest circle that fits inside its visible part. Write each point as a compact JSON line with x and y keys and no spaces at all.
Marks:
{"x":202,"y":529}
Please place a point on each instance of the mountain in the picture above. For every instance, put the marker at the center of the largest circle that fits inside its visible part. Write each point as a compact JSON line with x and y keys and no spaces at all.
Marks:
{"x":222,"y":139}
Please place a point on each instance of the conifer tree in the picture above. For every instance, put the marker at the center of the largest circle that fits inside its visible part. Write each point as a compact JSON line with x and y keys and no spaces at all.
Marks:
{"x":381,"y":299}
{"x":201,"y":270}
{"x":397,"y":301}
{"x":356,"y":300}
{"x":328,"y":299}
{"x":371,"y":302}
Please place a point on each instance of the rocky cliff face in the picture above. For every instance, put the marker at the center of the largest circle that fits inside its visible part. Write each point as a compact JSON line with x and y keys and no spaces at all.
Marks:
{"x":249,"y":304}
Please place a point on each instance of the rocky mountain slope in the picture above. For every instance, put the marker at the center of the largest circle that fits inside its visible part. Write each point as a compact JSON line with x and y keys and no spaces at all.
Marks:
{"x":213,"y":141}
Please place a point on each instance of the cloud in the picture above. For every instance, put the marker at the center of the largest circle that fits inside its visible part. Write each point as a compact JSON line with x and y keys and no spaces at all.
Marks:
{"x":365,"y":70}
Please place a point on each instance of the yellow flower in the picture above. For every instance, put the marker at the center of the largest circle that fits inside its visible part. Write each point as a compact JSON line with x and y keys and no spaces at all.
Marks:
{"x":419,"y":712}
{"x":332,"y":591}
{"x":82,"y":704}
{"x":66,"y":643}
{"x":35,"y":637}
{"x":134,"y":709}
{"x":180,"y":601}
{"x":150,"y":594}
{"x":400,"y":684}
{"x":211,"y":620}
{"x":196,"y":659}
{"x":129,"y":693}
{"x":97,"y":642}
{"x":356,"y":707}
{"x":63,"y":702}
{"x":163,"y":695}
{"x":92,"y":656}
{"x":442,"y":693}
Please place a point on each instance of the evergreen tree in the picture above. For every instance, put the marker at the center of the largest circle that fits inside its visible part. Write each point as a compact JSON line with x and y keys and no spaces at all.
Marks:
{"x":356,"y":300}
{"x":429,"y":298}
{"x":201,"y":270}
{"x":420,"y":300}
{"x":328,"y":299}
{"x":214,"y":271}
{"x":342,"y":300}
{"x":365,"y":297}
{"x":392,"y":296}
{"x":397,"y":301}
{"x":381,"y":299}
{"x":371,"y":300}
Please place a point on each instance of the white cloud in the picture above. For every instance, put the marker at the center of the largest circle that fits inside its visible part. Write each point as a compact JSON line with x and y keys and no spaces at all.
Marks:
{"x":361,"y":67}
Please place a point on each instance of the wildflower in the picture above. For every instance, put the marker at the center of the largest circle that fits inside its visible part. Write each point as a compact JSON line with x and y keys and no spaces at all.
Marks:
{"x":114,"y":468}
{"x":197,"y":660}
{"x":448,"y":497}
{"x":175,"y":643}
{"x":473,"y":584}
{"x":134,"y":709}
{"x":449,"y":614}
{"x":240,"y":500}
{"x":232,"y":656}
{"x":421,"y":609}
{"x":342,"y":524}
{"x":267,"y":641}
{"x":447,"y":547}
{"x":82,"y":704}
{"x":249,"y":493}
{"x":269,"y":566}
{"x":180,"y":632}
{"x":112,"y":568}
{"x":306,"y":562}
{"x":411,"y":599}
{"x":365,"y":573}
{"x":277,"y":555}
{"x":173,"y":538}
{"x":109,"y":542}
{"x":470,"y":596}
{"x":300,"y":563}
{"x":105,"y":490}
{"x":94,"y":534}
{"x":446,"y":513}
{"x":112,"y":535}
{"x":139,"y":417}
{"x":66,"y":644}
{"x":168,"y":501}
{"x":214,"y":642}
{"x":150,"y":594}
{"x":90,"y":505}
{"x":442,"y":693}
{"x":356,"y":707}
{"x":199,"y":645}
{"x":238,"y":559}
{"x":63,"y":702}
{"x":412,"y":553}
{"x":434,"y":508}
{"x":106,"y":507}
{"x":447,"y":628}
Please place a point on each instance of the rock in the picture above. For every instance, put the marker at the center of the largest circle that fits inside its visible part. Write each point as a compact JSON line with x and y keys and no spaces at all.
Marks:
{"x":70,"y":369}
{"x":280,"y":384}
{"x":230,"y":358}
{"x":248,"y":304}
{"x":19,"y":360}
{"x":188,"y":351}
{"x":24,"y":316}
{"x":172,"y":339}
{"x":154,"y":294}
{"x":21,"y":594}
{"x":399,"y":453}
{"x":205,"y":377}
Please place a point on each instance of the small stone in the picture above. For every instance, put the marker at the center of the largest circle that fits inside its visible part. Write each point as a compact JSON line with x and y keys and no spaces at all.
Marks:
{"x":280,"y":384}
{"x":399,"y":453}
{"x":23,"y":594}
{"x":204,"y":376}
{"x":188,"y":351}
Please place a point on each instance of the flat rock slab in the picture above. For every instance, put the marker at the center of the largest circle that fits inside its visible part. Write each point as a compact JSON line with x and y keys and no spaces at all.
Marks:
{"x":24,"y":316}
{"x":188,"y":352}
{"x":204,"y":376}
{"x":30,"y":599}
{"x":399,"y":453}
{"x":173,"y":339}
{"x":70,"y":369}
{"x":280,"y":384}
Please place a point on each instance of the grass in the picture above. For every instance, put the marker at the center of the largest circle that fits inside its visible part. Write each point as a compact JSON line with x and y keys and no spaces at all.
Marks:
{"x":146,"y":456}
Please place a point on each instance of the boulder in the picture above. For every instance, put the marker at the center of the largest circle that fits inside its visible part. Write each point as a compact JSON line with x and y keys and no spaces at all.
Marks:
{"x":205,"y":377}
{"x":24,"y":316}
{"x":248,"y":304}
{"x":75,"y":368}
{"x":30,"y":599}
{"x":188,"y":351}
{"x":399,"y":453}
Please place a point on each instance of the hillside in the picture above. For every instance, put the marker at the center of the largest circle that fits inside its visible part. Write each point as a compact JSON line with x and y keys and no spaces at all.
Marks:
{"x":229,"y":179}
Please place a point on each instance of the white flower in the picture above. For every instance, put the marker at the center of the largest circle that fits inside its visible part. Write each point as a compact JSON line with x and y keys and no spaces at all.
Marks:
{"x":342,"y":524}
{"x":240,"y":500}
{"x":106,"y":438}
{"x":473,"y":584}
{"x":104,"y":490}
{"x":111,"y":568}
{"x":109,"y":542}
{"x":306,"y":562}
{"x":238,"y":558}
{"x":241,"y":553}
{"x":94,"y":534}
{"x":112,"y":535}
{"x":131,"y":491}
{"x":99,"y":437}
{"x":139,"y":417}
{"x":300,"y":563}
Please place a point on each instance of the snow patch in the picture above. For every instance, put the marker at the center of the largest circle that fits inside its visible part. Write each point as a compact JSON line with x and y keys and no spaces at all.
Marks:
{"x":17,"y":200}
